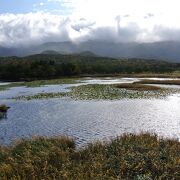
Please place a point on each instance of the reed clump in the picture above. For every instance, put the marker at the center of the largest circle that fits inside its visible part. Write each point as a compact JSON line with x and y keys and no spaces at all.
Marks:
{"x":138,"y":87}
{"x":143,"y":156}
{"x":164,"y":82}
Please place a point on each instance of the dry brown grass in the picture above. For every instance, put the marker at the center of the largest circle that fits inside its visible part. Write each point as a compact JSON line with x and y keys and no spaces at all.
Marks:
{"x":138,"y":87}
{"x":143,"y":156}
{"x":166,"y":82}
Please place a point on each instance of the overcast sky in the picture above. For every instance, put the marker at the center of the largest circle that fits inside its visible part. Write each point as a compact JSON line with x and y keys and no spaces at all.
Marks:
{"x":24,"y":22}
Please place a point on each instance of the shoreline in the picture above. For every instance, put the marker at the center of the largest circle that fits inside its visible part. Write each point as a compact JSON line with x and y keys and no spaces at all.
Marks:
{"x":132,"y":75}
{"x":130,"y":156}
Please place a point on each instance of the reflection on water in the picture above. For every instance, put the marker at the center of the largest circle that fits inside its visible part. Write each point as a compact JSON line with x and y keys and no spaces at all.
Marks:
{"x":24,"y":91}
{"x":109,"y":80}
{"x":87,"y":120}
{"x":90,"y":120}
{"x":4,"y":83}
{"x":3,"y":115}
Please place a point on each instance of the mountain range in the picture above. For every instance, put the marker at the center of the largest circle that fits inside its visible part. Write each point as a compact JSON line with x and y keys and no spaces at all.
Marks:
{"x":167,"y":50}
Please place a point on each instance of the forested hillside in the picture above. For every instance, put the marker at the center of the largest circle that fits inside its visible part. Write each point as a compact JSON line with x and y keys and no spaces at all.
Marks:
{"x":43,"y":66}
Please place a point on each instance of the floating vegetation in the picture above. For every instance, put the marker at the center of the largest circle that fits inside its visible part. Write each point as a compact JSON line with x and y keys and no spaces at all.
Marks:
{"x":39,"y":83}
{"x":2,"y":88}
{"x":8,"y":86}
{"x":130,"y":156}
{"x":102,"y":92}
{"x":111,"y":92}
{"x":41,"y":96}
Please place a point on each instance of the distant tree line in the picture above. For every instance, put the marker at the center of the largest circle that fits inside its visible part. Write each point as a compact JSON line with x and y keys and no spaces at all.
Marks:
{"x":45,"y":66}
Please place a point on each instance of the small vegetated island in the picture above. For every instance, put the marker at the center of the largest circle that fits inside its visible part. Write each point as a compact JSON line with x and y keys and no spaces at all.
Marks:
{"x":143,"y":156}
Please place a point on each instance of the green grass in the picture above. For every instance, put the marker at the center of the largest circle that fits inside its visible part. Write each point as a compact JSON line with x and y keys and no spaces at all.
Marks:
{"x":143,"y":156}
{"x":103,"y":92}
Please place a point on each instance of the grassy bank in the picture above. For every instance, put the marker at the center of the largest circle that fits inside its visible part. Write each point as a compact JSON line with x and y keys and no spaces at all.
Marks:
{"x":143,"y":156}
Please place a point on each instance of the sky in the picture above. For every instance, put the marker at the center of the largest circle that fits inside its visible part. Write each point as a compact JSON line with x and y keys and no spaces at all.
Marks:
{"x":27,"y":22}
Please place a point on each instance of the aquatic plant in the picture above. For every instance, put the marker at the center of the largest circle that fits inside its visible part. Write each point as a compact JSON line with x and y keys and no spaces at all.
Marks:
{"x":102,"y":92}
{"x":38,"y":83}
{"x":4,"y":108}
{"x":166,"y":82}
{"x":138,"y":87}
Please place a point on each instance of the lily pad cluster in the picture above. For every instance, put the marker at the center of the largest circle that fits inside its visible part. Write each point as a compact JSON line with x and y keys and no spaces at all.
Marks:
{"x":102,"y":92}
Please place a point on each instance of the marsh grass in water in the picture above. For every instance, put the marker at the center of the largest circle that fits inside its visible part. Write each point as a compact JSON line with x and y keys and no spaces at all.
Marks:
{"x":8,"y":86}
{"x":175,"y":74}
{"x":111,"y":92}
{"x":102,"y":92}
{"x":51,"y":82}
{"x":138,"y":87}
{"x":130,"y":156}
{"x":39,"y":83}
{"x":42,"y":96}
{"x":165,"y":82}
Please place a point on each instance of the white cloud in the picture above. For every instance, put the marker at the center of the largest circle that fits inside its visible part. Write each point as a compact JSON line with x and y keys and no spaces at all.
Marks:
{"x":166,"y":12}
{"x":110,"y":20}
{"x":41,"y":4}
{"x":32,"y":28}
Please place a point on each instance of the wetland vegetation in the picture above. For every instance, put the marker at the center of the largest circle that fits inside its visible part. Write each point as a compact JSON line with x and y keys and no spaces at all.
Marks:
{"x":38,"y":83}
{"x":143,"y":156}
{"x":106,"y":92}
{"x":165,"y":82}
{"x":138,"y":87}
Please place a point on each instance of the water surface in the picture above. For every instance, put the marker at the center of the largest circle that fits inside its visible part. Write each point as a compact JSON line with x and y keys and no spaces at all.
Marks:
{"x":87,"y":121}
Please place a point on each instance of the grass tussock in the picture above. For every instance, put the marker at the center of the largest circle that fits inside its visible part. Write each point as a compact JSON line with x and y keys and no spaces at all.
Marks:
{"x":3,"y":108}
{"x":138,"y":87}
{"x":143,"y":156}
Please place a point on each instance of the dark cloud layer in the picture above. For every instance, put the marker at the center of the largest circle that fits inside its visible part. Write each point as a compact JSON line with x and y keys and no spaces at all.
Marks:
{"x":167,"y":34}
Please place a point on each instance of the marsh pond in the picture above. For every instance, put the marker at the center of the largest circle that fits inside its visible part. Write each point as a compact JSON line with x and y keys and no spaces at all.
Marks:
{"x":88,"y":109}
